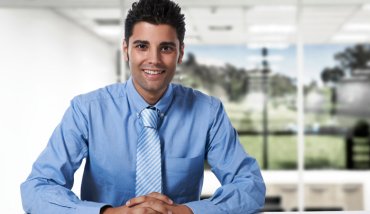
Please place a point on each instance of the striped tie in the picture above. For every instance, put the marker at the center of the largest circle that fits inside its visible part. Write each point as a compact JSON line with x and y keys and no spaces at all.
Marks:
{"x":148,"y":156}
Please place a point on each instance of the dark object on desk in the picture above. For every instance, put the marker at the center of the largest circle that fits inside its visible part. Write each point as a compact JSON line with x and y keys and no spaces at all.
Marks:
{"x":358,"y":146}
{"x":205,"y":197}
{"x":320,"y":209}
{"x":272,"y":204}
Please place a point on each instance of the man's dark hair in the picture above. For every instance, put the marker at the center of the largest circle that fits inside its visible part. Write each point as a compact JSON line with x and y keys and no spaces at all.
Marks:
{"x":156,"y":12}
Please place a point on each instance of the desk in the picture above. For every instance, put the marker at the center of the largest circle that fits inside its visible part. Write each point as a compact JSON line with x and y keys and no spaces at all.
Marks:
{"x":321,"y":212}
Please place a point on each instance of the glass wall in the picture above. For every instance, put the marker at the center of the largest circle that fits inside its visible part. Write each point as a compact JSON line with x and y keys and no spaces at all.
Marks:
{"x":336,"y":81}
{"x":245,"y":54}
{"x":258,"y":88}
{"x":258,"y":81}
{"x":337,"y":106}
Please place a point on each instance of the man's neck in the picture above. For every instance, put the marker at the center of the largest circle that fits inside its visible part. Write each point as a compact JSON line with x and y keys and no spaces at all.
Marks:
{"x":151,"y":99}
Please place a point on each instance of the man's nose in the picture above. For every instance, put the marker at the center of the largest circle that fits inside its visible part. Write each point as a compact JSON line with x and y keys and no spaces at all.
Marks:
{"x":154,"y":56}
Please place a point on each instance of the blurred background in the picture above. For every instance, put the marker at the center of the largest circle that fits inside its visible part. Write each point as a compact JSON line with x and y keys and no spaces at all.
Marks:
{"x":294,"y":76}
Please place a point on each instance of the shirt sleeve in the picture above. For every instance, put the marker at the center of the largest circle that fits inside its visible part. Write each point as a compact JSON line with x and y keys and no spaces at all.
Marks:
{"x":242,"y":187}
{"x":48,"y":187}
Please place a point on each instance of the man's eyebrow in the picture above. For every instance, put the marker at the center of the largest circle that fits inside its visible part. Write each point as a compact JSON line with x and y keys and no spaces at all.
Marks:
{"x":140,"y":42}
{"x":168,"y":44}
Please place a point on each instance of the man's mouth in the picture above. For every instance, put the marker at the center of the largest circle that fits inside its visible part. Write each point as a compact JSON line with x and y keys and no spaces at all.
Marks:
{"x":153,"y":72}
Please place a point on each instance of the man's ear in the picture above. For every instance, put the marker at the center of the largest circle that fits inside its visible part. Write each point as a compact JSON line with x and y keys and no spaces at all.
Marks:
{"x":125,"y":50}
{"x":181,"y":55}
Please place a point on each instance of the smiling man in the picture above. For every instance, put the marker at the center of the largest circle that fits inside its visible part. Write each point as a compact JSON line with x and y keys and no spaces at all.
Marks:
{"x":145,"y":140}
{"x":153,"y":51}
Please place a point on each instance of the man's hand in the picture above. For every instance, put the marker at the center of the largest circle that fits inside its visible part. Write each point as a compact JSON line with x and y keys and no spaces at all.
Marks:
{"x":155,"y":203}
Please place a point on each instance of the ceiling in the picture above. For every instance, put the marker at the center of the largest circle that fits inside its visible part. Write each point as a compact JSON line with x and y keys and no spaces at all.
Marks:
{"x":274,"y":23}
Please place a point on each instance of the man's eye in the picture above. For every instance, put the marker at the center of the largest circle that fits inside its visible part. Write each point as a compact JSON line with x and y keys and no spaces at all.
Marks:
{"x":167,"y":49}
{"x":141,"y":46}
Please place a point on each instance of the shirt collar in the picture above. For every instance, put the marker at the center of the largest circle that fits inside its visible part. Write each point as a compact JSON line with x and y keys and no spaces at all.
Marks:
{"x":138,"y":102}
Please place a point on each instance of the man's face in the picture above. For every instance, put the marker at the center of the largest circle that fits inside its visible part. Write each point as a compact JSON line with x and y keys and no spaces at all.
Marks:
{"x":153,"y":53}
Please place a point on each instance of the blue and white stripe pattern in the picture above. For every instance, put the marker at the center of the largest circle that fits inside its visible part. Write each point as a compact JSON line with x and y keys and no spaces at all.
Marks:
{"x":148,"y":156}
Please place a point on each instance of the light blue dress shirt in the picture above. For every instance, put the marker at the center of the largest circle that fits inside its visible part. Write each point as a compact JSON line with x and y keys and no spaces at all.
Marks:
{"x":103,"y":126}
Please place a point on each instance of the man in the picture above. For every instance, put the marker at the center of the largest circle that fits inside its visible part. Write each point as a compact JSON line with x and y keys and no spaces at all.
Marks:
{"x":110,"y":127}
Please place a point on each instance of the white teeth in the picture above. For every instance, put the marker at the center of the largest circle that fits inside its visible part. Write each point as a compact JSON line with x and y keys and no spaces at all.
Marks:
{"x":152,"y":72}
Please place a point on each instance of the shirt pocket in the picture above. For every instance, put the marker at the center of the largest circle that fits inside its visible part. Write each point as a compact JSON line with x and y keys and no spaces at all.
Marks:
{"x":183,"y":177}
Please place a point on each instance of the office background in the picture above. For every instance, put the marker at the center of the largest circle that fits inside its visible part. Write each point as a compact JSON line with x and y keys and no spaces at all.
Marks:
{"x":293,"y":75}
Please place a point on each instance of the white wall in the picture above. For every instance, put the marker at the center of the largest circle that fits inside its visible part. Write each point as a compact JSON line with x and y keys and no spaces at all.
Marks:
{"x":45,"y":61}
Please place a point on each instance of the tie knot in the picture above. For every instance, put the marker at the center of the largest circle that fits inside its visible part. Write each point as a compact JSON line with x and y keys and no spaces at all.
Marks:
{"x":149,"y":117}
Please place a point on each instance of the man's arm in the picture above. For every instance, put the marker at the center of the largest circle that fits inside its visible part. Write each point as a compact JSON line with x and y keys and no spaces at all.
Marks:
{"x":48,"y":188}
{"x":243,"y":189}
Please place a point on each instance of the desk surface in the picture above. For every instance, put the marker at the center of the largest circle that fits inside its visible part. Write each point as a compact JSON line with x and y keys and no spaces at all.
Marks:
{"x":321,"y":212}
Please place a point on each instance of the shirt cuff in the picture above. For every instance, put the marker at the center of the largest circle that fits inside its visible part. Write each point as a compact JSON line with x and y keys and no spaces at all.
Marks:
{"x":88,"y":207}
{"x":203,"y":206}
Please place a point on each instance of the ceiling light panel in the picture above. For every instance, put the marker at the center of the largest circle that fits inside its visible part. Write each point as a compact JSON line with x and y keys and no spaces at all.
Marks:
{"x":324,"y":18}
{"x":113,"y":13}
{"x":328,"y":11}
{"x":215,"y":15}
{"x":273,"y":9}
{"x":280,"y":29}
{"x":109,"y":31}
{"x":366,"y":7}
{"x":357,"y":27}
{"x":270,"y":15}
{"x":267,"y":38}
{"x":350,"y":38}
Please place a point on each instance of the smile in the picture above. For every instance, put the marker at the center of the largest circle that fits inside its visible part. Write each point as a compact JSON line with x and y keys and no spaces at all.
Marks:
{"x":152,"y":72}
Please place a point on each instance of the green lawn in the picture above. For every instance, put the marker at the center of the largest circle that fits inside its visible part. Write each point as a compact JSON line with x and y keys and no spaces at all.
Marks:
{"x":320,"y":151}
